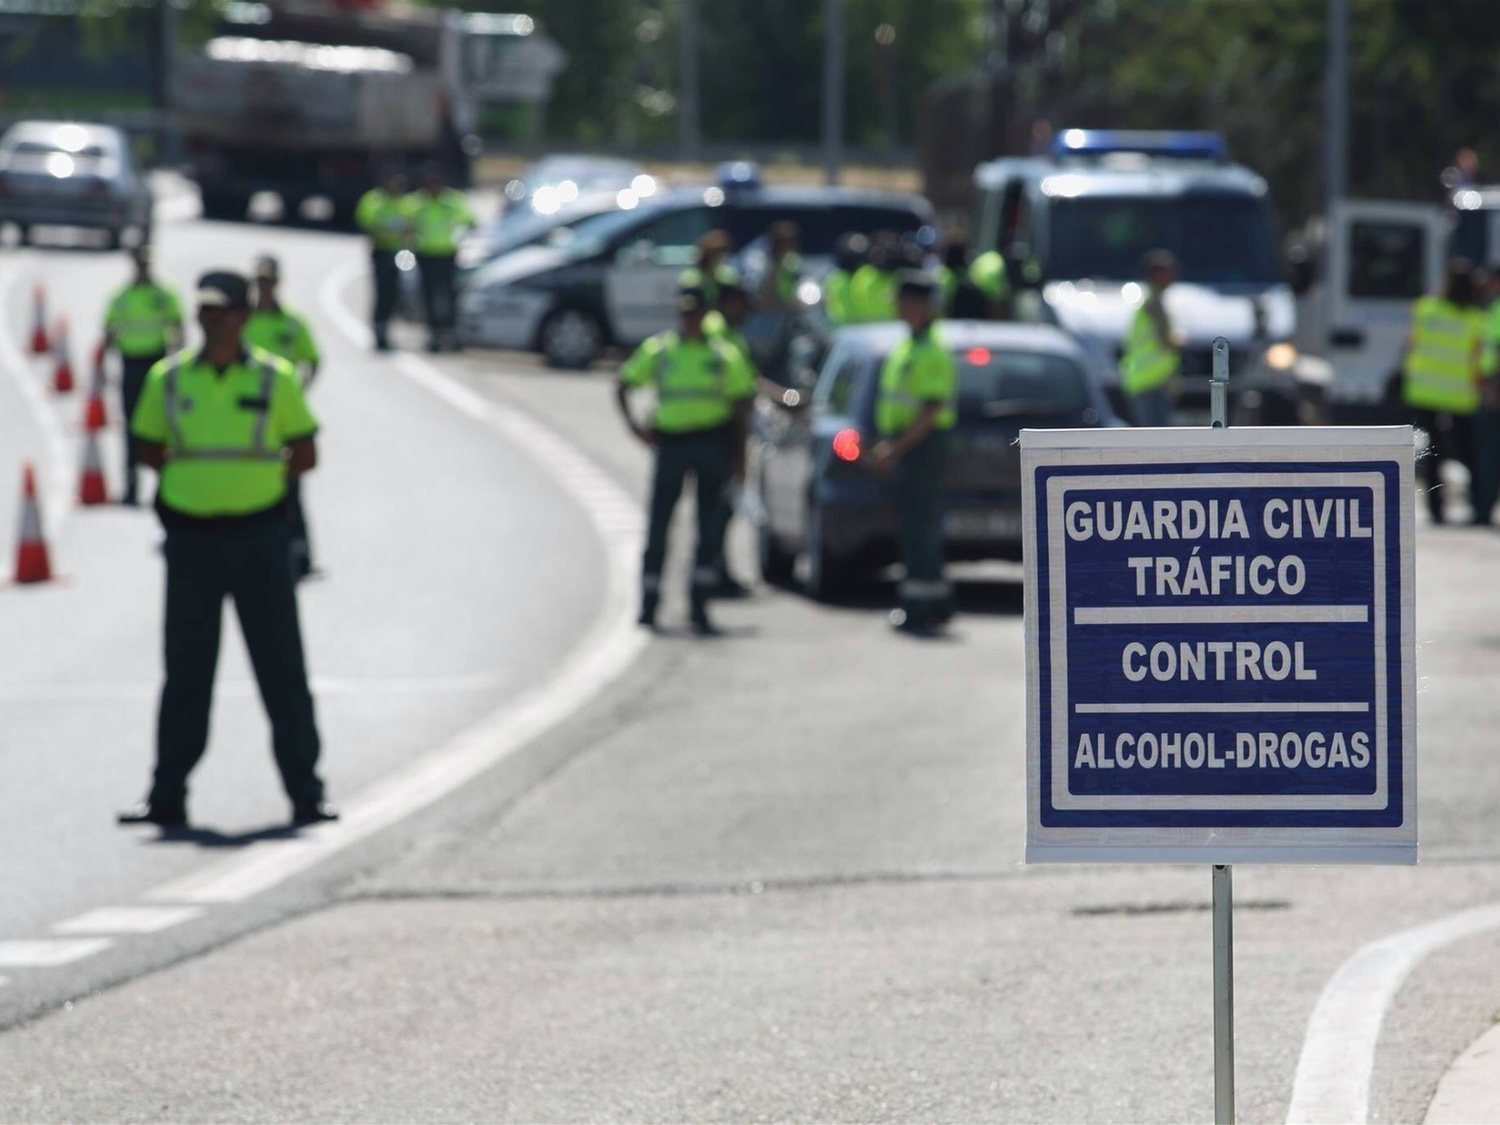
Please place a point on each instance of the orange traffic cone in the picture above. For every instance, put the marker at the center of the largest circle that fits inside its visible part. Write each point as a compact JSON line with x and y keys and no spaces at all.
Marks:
{"x":91,"y":486}
{"x":94,"y":415}
{"x":32,"y":563}
{"x":62,"y":373}
{"x":39,"y":344}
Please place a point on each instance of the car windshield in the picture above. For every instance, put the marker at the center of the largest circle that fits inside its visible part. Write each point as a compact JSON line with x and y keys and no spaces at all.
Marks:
{"x":1218,"y":238}
{"x":994,"y":383}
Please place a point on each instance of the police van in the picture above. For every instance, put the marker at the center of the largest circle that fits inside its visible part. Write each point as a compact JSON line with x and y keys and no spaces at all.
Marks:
{"x":612,"y":281}
{"x":1073,"y":226}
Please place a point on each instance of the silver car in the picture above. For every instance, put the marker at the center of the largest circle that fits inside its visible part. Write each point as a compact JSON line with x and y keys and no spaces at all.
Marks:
{"x":69,"y":174}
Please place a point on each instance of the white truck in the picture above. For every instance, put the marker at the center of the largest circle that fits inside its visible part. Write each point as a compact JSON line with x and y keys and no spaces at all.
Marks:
{"x":312,"y":100}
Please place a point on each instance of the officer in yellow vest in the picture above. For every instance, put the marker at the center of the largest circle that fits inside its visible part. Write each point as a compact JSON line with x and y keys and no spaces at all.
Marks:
{"x":915,"y":407}
{"x":1441,"y":376}
{"x":274,"y":328}
{"x":439,"y":216}
{"x":778,"y":288}
{"x":712,"y":260}
{"x":987,"y":273}
{"x":704,"y":390}
{"x":872,"y":290}
{"x":1150,"y":357}
{"x":381,"y":214}
{"x":849,"y":254}
{"x":143,"y":324}
{"x":225,"y":426}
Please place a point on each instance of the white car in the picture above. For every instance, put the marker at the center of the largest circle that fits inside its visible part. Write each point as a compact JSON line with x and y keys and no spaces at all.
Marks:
{"x":72,"y":174}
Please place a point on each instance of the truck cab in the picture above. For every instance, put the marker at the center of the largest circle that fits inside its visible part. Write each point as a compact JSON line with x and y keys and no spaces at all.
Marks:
{"x":1074,"y":224}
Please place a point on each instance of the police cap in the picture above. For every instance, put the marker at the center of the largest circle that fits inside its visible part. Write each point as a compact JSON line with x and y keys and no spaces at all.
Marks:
{"x":223,"y":289}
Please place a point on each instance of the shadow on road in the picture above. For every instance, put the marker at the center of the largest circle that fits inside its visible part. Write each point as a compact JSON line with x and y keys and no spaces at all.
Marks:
{"x":980,"y":597}
{"x":212,"y":838}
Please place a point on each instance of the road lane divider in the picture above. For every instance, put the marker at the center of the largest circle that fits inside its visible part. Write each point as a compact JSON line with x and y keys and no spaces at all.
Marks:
{"x":1332,"y":1082}
{"x":127,"y":920}
{"x":49,"y":953}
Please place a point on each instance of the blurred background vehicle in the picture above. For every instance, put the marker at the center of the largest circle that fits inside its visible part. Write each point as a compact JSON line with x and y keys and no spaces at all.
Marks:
{"x":556,"y":183}
{"x":71,"y":174}
{"x":311,"y":102}
{"x":613,"y":281}
{"x":825,"y":512}
{"x":1075,"y":224}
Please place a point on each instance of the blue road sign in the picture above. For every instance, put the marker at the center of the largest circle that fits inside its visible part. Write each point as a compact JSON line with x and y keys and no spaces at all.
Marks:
{"x":1220,"y":650}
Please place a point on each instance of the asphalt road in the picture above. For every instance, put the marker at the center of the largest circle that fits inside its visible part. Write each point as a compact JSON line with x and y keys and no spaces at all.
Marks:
{"x":776,"y":876}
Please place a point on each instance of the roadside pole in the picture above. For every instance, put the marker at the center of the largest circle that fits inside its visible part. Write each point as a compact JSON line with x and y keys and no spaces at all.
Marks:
{"x":1218,"y":391}
{"x":833,"y":89}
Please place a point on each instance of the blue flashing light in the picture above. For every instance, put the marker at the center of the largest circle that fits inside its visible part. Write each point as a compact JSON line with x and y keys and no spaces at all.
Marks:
{"x":1183,"y":145}
{"x":737,"y":174}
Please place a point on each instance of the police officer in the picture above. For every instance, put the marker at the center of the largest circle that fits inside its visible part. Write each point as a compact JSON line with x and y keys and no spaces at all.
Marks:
{"x":381,"y":214}
{"x":225,"y":426}
{"x":1441,"y":375}
{"x":1150,"y":359}
{"x":778,"y":288}
{"x":987,"y":272}
{"x":143,"y":324}
{"x":274,"y":328}
{"x":872,"y":290}
{"x":915,"y":407}
{"x":849,"y":253}
{"x":439,"y":216}
{"x":704,"y":390}
{"x":711,"y":261}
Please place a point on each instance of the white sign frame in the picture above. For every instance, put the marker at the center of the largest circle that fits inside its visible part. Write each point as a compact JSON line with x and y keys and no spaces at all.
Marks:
{"x":1292,"y":457}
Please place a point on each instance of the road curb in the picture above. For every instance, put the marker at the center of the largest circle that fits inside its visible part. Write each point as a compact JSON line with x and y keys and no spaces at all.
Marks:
{"x":1470,"y":1090}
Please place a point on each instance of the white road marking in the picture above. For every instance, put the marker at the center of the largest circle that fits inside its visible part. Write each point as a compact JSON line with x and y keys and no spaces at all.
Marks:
{"x":46,"y":953}
{"x":604,"y":654}
{"x":128,"y":920}
{"x":1338,"y":1054}
{"x":57,"y":473}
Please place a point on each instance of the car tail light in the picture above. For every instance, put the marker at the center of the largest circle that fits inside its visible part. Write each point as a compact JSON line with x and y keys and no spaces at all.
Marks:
{"x":846,"y":445}
{"x":977,"y":357}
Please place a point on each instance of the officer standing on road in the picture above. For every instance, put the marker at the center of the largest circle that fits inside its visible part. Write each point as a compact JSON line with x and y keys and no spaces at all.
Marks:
{"x":381,"y":214}
{"x":439,"y":216}
{"x":915,"y":408}
{"x":872,"y":291}
{"x":225,"y":426}
{"x":1149,"y":360}
{"x":778,"y":288}
{"x":987,"y":272}
{"x":962,"y":299}
{"x":274,"y":328}
{"x":710,"y":263}
{"x":704,"y":389}
{"x":1441,"y":376}
{"x":849,"y":253}
{"x":143,"y":324}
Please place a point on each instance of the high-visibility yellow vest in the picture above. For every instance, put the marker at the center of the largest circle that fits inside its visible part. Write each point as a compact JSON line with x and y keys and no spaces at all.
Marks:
{"x":225,"y":432}
{"x":282,"y":333}
{"x":872,"y":295}
{"x":697,"y":382}
{"x":919,"y":370}
{"x":144,"y":320}
{"x":987,"y":272}
{"x":1491,"y":355}
{"x":716,"y":327}
{"x":1440,"y":366}
{"x":838,"y":301}
{"x":1148,"y":361}
{"x":382,"y":216}
{"x":438,"y":221}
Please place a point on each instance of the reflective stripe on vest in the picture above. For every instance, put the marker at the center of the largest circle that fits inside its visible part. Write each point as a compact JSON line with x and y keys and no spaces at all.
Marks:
{"x":178,"y":447}
{"x":1439,"y":371}
{"x":679,"y":394}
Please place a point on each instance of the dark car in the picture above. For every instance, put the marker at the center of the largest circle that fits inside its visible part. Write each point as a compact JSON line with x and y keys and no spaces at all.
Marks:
{"x":821,"y":502}
{"x":70,"y":174}
{"x":615,"y":282}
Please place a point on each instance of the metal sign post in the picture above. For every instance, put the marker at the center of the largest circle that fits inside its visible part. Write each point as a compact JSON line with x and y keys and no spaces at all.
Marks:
{"x":1218,"y":391}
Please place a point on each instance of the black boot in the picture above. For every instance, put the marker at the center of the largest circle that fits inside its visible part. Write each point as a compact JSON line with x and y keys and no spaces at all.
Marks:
{"x":700,"y":619}
{"x":649,"y":602}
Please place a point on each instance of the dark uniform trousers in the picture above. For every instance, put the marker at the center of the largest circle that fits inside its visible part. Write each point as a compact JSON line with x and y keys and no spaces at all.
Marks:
{"x":245,"y":560}
{"x":438,"y":294}
{"x":706,"y":456}
{"x":924,"y":594}
{"x":133,"y":371}
{"x":1451,"y":438}
{"x":1486,"y":487}
{"x":387,"y":291}
{"x":300,"y":546}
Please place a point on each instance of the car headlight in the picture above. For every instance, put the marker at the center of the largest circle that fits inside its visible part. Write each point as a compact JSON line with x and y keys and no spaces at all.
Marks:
{"x":1281,"y":356}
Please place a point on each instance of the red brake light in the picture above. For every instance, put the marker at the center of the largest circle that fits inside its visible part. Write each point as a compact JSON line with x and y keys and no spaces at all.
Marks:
{"x":846,"y":445}
{"x":977,"y":357}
